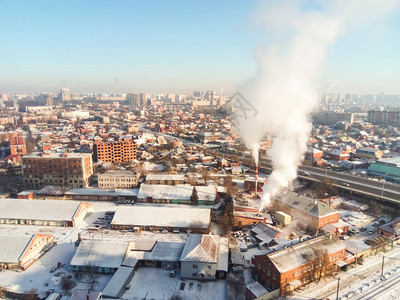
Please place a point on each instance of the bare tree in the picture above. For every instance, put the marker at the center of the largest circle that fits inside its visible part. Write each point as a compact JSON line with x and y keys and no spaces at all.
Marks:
{"x":67,"y":284}
{"x":318,"y":265}
{"x":206,"y":175}
{"x":196,"y":227}
{"x":32,"y":294}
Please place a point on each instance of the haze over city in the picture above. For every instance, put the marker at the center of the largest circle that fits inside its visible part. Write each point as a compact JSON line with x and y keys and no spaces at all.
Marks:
{"x":180,"y":46}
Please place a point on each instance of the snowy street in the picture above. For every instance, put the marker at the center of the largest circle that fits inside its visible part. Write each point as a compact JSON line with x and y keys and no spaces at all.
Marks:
{"x":361,"y":282}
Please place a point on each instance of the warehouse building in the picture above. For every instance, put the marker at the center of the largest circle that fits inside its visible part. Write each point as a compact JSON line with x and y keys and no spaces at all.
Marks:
{"x":177,"y":194}
{"x":19,"y":252}
{"x":388,"y":169}
{"x":43,"y":212}
{"x":159,"y":218}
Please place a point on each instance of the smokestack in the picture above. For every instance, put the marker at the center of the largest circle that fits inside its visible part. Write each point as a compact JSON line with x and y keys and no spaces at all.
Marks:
{"x":256,"y":181}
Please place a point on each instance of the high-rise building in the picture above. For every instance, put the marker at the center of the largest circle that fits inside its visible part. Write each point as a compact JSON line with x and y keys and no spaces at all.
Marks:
{"x":46,"y":99}
{"x":62,"y":169}
{"x":115,"y":151}
{"x":65,"y":94}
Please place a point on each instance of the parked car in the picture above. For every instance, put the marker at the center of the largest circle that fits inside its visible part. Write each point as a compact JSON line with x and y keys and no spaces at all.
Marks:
{"x":354,"y":230}
{"x":381,"y":222}
{"x":370,"y":231}
{"x":363,"y":229}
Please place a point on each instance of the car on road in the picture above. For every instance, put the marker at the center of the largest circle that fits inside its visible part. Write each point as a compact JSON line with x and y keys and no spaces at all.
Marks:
{"x":376,"y":224}
{"x":363,"y":229}
{"x":306,"y":173}
{"x":370,"y":232}
{"x":345,"y":184}
{"x":354,"y":230}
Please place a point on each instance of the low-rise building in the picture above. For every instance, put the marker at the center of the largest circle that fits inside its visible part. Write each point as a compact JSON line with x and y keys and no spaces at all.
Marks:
{"x":177,"y":194}
{"x":165,"y":179}
{"x":159,"y":218}
{"x":205,"y":257}
{"x":292,"y":267}
{"x":118,"y":179}
{"x":19,"y":252}
{"x":43,"y":212}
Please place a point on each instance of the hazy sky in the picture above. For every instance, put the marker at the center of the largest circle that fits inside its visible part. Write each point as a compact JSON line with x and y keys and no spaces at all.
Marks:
{"x":170,"y":46}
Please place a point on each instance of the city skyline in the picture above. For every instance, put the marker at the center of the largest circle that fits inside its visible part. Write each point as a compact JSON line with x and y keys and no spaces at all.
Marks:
{"x":173,"y":46}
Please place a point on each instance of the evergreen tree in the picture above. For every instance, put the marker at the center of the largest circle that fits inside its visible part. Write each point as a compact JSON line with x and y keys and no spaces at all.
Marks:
{"x":194,"y":199}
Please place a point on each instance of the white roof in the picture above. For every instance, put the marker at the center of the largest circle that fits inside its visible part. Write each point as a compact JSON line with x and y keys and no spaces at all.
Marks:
{"x":256,"y":289}
{"x":176,"y":192}
{"x":165,"y":177}
{"x":117,"y":173}
{"x":117,"y":282}
{"x":12,"y":247}
{"x":100,"y":253}
{"x":161,"y":216}
{"x":48,"y":210}
{"x":103,"y":192}
{"x":222,"y":264}
{"x":57,"y":155}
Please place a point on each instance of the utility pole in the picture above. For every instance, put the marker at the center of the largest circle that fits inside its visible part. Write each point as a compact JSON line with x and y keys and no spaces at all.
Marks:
{"x":337,"y":291}
{"x":383,"y":262}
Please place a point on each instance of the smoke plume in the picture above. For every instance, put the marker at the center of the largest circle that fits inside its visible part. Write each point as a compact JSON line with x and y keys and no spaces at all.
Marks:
{"x":284,"y":91}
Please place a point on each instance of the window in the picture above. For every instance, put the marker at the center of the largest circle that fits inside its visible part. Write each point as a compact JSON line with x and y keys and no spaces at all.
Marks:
{"x":194,"y":266}
{"x":273,"y":276}
{"x":209,"y":267}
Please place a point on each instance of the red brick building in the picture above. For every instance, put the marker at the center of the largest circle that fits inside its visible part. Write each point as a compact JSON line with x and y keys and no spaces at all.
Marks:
{"x":17,"y":145}
{"x":292,"y":267}
{"x":115,"y":152}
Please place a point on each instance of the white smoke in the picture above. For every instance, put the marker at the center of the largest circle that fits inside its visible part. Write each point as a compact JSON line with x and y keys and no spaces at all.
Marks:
{"x":285,"y":90}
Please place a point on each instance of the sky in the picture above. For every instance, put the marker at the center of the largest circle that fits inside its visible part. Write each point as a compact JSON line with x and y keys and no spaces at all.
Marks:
{"x":171,"y":47}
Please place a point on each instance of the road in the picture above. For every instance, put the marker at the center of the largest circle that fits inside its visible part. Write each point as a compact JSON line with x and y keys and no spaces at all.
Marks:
{"x":377,"y":189}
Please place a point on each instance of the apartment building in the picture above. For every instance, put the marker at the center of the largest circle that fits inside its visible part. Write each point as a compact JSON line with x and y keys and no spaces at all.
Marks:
{"x":62,"y":169}
{"x":115,"y":151}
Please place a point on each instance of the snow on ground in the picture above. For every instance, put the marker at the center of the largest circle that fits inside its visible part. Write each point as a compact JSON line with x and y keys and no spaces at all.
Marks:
{"x":357,"y":281}
{"x":155,"y":283}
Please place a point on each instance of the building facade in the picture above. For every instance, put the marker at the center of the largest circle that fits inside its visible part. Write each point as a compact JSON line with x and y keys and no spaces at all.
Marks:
{"x":17,"y":146}
{"x":115,"y":151}
{"x":66,"y":169}
{"x":118,"y":179}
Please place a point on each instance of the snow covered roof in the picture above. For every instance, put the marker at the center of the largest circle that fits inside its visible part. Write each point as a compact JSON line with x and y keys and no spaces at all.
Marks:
{"x":256,"y":289}
{"x":297,"y":255}
{"x":47,"y":210}
{"x":100,"y":253}
{"x":201,"y":248}
{"x":179,"y":192}
{"x":117,"y":173}
{"x":165,"y":177}
{"x":178,"y":217}
{"x":103,"y":192}
{"x":117,"y":282}
{"x":12,"y":247}
{"x":162,"y":251}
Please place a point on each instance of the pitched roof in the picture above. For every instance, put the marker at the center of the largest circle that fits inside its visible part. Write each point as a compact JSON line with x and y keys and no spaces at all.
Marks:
{"x":201,"y":248}
{"x":321,"y":209}
{"x":298,"y":255}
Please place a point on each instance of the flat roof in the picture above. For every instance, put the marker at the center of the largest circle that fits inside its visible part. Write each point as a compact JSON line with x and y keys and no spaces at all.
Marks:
{"x":180,"y":217}
{"x":165,"y":177}
{"x":57,"y":155}
{"x":46,"y":210}
{"x":177,"y":192}
{"x":117,"y":173}
{"x":100,"y":253}
{"x":102,"y":192}
{"x":117,"y":282}
{"x":393,"y":161}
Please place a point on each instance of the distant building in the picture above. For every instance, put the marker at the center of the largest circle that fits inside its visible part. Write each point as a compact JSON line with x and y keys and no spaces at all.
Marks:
{"x":294,"y":266}
{"x":165,"y":179}
{"x":205,"y":257}
{"x":369,"y":153}
{"x":118,"y":179}
{"x":65,"y":94}
{"x":19,"y":252}
{"x":46,"y":99}
{"x":63,"y":169}
{"x":17,"y":146}
{"x":115,"y":152}
{"x":384,"y":117}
